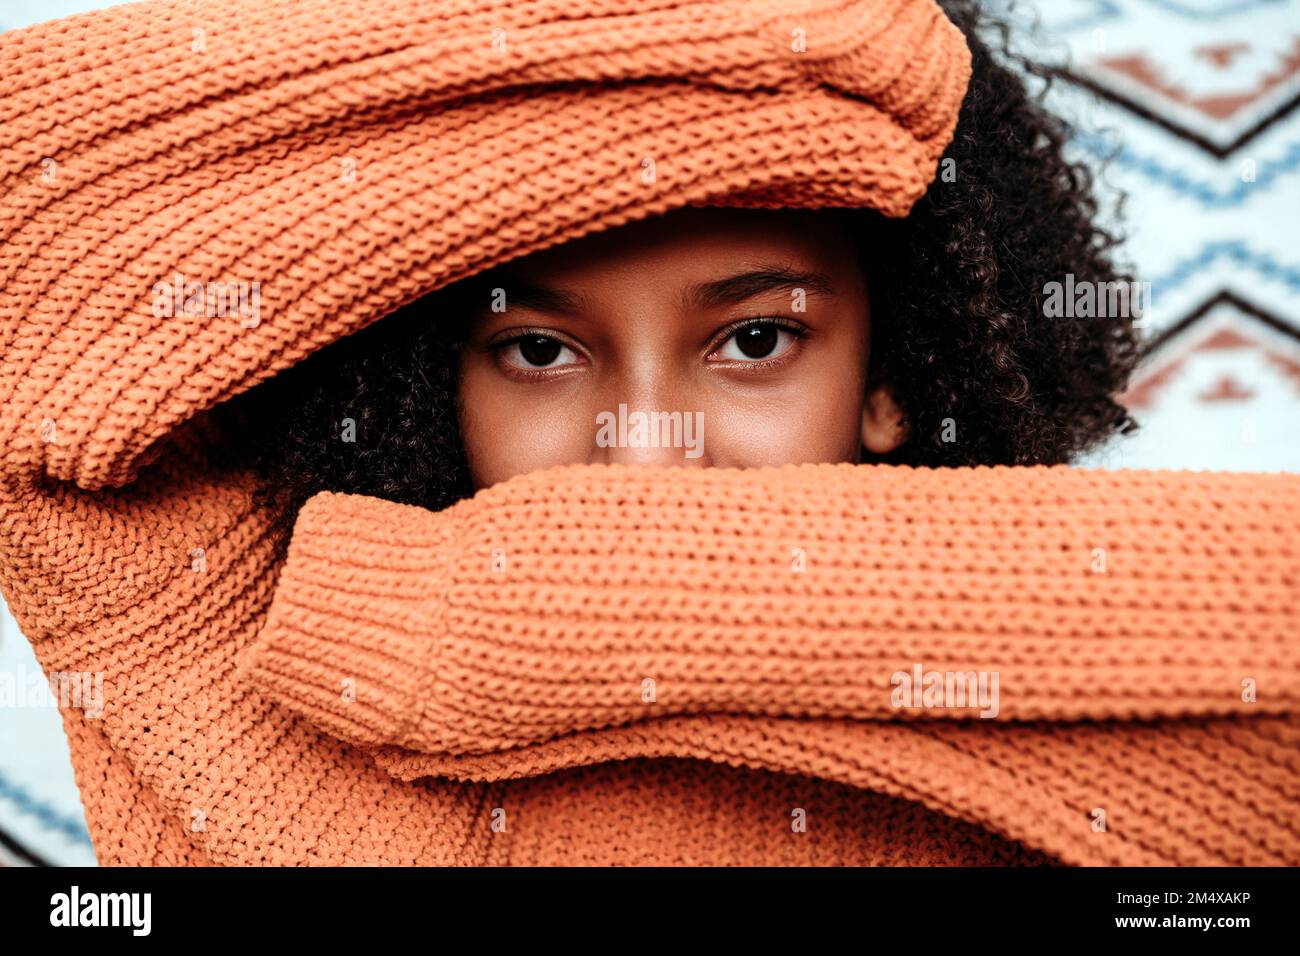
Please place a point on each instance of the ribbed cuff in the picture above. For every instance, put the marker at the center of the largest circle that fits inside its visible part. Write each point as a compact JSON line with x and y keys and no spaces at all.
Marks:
{"x":350,"y":638}
{"x":812,"y":591}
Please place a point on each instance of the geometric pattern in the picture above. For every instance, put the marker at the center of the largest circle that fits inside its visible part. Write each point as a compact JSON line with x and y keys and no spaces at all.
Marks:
{"x":1223,"y":385}
{"x":1190,"y":110}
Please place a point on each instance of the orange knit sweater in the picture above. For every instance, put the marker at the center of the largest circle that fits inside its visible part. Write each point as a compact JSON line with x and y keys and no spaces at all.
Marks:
{"x":587,"y":664}
{"x":758,"y":618}
{"x":471,"y":686}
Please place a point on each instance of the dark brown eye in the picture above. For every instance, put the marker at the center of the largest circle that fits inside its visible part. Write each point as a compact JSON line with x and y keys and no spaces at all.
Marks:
{"x":539,"y":350}
{"x":533,"y":351}
{"x":757,"y":341}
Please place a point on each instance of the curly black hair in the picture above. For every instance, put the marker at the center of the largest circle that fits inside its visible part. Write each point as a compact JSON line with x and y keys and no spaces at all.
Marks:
{"x":958,"y":325}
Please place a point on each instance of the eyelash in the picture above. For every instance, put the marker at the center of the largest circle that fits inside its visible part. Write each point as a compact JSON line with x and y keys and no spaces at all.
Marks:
{"x":786,"y":325}
{"x":523,"y":373}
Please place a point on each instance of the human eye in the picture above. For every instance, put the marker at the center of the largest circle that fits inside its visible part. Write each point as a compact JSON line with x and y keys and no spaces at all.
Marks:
{"x":535,"y":351}
{"x":760,"y":341}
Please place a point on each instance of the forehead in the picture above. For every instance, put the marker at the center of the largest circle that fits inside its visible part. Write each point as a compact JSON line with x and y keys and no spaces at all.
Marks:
{"x":695,"y":244}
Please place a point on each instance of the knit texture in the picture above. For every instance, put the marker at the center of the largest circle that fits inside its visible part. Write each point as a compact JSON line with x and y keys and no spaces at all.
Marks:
{"x":513,"y":635}
{"x":353,"y":157}
{"x":386,"y":695}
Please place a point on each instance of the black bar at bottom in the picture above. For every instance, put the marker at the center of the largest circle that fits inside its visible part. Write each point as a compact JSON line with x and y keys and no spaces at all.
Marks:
{"x":949,"y":907}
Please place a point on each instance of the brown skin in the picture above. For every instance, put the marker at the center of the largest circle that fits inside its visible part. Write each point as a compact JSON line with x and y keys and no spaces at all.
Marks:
{"x":634,"y":332}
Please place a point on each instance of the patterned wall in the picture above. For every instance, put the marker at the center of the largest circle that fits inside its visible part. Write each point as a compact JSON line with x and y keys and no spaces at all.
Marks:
{"x":1194,"y":107}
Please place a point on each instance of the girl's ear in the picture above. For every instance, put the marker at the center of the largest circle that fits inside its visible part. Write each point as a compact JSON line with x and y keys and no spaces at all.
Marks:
{"x":883,"y":425}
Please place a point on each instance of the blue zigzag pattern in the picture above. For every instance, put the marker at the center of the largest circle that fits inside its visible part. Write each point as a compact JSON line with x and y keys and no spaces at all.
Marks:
{"x":1240,"y":254}
{"x":1104,"y":10}
{"x":1203,"y":192}
{"x":47,"y":815}
{"x":1228,"y":8}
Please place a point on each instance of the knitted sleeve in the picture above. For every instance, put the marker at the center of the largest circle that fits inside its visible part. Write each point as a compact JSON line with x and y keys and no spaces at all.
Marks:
{"x":594,"y":596}
{"x":190,"y":203}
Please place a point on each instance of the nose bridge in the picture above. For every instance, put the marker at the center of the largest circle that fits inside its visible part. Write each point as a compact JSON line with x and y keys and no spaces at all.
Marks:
{"x":649,"y":418}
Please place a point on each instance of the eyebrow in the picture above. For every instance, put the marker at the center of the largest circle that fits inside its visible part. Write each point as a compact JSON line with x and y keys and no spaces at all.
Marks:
{"x":529,"y":295}
{"x":755,"y":282}
{"x":714,"y":294}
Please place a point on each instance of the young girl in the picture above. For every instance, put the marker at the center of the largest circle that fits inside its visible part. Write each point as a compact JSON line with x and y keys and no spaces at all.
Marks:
{"x":376,"y":573}
{"x":930,"y":345}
